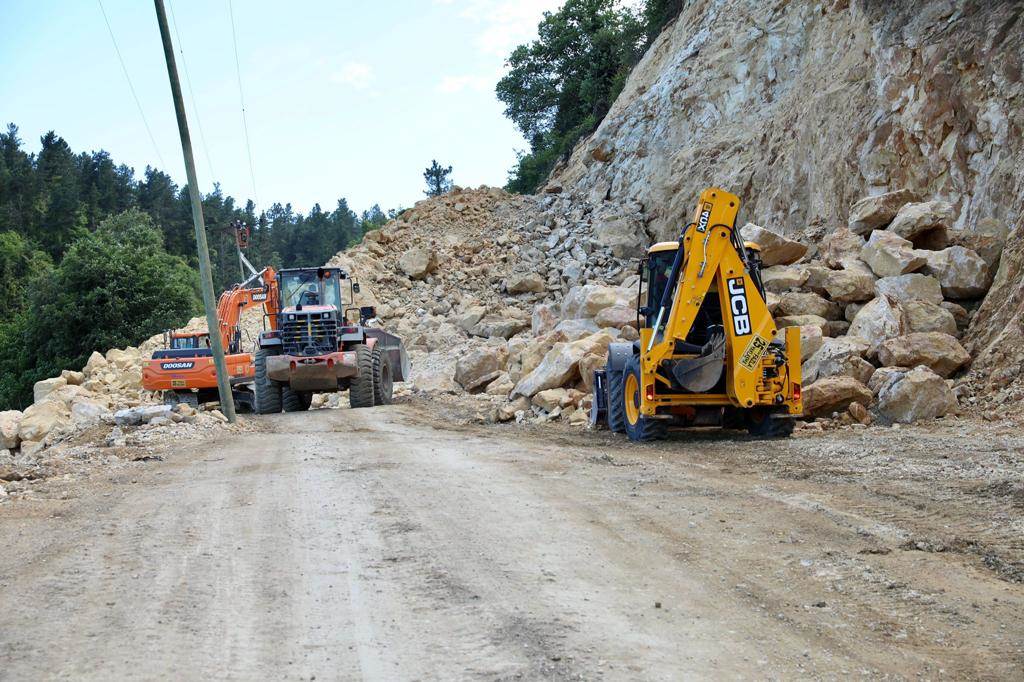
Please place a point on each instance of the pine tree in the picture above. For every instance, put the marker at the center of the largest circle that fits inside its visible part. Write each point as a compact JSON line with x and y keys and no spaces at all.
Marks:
{"x":437,"y":179}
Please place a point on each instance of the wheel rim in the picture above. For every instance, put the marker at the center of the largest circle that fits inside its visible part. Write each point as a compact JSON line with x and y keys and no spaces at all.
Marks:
{"x":631,"y":395}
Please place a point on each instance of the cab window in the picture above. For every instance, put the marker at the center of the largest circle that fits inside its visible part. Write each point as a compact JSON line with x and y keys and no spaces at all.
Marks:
{"x":304,"y":288}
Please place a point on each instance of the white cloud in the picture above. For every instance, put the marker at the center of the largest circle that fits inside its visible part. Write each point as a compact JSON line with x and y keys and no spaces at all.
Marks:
{"x":354,"y":74}
{"x":450,"y":85}
{"x":504,"y":23}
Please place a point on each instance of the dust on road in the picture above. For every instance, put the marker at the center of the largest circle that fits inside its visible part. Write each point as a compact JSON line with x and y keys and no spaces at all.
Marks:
{"x":388,"y":544}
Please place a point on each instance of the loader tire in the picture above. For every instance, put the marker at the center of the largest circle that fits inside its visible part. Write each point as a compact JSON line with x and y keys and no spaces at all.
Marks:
{"x":268,"y":392}
{"x":760,"y":424}
{"x":383,"y":384}
{"x":639,"y":427}
{"x":616,"y":406}
{"x":360,"y":391}
{"x":295,"y":401}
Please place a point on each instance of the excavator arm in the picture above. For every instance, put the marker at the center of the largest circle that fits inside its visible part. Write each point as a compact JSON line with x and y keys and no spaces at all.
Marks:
{"x":242,"y":297}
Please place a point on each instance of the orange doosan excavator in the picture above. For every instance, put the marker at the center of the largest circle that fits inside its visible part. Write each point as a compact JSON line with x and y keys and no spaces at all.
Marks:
{"x":183,"y":370}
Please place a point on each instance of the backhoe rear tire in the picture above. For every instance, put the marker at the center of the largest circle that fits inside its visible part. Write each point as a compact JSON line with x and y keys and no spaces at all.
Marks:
{"x":360,"y":391}
{"x":295,"y":401}
{"x":616,"y":406}
{"x":268,"y":392}
{"x":761,"y":424}
{"x":639,"y":427}
{"x":383,"y":385}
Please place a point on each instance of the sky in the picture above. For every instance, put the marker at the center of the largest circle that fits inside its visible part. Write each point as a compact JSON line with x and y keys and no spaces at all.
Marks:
{"x":343,"y":98}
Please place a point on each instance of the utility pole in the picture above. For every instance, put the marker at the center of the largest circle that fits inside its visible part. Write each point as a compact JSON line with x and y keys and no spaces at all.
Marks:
{"x":227,"y":402}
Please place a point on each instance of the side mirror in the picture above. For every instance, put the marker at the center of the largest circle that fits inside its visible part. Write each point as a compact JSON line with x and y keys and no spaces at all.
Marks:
{"x":367,"y":312}
{"x":645,"y":311}
{"x":355,"y":287}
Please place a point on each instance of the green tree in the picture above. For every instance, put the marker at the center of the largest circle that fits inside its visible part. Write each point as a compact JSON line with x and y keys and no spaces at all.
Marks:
{"x":437,"y":179}
{"x":115,"y":287}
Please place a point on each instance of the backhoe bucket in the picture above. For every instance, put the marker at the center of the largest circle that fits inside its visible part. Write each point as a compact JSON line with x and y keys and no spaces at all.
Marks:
{"x":702,"y":373}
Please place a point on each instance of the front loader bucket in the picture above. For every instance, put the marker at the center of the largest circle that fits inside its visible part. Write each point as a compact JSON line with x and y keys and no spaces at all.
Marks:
{"x":599,"y":406}
{"x":702,"y":373}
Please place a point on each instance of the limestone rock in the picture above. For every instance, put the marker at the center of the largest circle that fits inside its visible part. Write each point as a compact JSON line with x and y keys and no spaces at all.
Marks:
{"x":801,"y":321}
{"x":418,"y":262}
{"x":481,"y":366}
{"x":625,"y":237}
{"x":888,"y":255}
{"x":882,"y":376}
{"x":846,"y":286}
{"x":616,"y":316}
{"x":43,"y":388}
{"x":871,"y":213}
{"x":782,"y":278}
{"x":560,"y":365}
{"x":834,"y":394}
{"x":960,"y":314}
{"x":929,"y":317}
{"x":926,"y":224}
{"x":811,"y":340}
{"x":843,"y":356}
{"x":507,"y":412}
{"x":10,"y":422}
{"x":72,"y":377}
{"x":940,"y":352}
{"x":879,"y":320}
{"x":912,"y":287}
{"x":915,"y":395}
{"x":543,"y":319}
{"x":530,"y":282}
{"x":776,"y":249}
{"x":551,"y":398}
{"x":134,"y":416}
{"x":842,"y":247}
{"x":96,"y":363}
{"x":797,"y":303}
{"x":41,"y":418}
{"x":501,"y":385}
{"x":961,"y":272}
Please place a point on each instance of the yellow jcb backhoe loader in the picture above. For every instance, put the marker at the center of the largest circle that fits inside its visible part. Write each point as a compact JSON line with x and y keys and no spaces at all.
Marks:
{"x":708,"y":353}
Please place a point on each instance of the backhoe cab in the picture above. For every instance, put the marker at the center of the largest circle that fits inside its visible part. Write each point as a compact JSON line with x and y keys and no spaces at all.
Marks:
{"x":709,"y":352}
{"x":318,"y":343}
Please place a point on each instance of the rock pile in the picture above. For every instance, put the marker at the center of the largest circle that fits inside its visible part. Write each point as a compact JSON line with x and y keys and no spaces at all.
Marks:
{"x":514,"y":300}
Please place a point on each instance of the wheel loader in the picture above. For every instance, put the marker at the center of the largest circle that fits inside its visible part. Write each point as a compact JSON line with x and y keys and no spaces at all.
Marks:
{"x":316,"y":342}
{"x":709,"y":352}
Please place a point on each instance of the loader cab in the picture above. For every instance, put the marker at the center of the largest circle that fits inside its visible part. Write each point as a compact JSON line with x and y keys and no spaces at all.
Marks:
{"x":304,"y":287}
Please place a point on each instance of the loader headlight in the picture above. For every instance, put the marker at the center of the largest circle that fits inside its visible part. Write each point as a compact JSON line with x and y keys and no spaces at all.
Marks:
{"x":291,"y":318}
{"x":325,"y":315}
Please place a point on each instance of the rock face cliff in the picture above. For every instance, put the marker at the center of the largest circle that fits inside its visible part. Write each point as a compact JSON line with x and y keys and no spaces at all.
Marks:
{"x":802,"y":108}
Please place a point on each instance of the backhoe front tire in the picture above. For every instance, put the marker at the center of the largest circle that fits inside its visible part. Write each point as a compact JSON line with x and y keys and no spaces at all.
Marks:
{"x":295,"y":401}
{"x":616,"y":406}
{"x":360,"y":391}
{"x":383,"y":385}
{"x":268,"y":392}
{"x":639,"y":427}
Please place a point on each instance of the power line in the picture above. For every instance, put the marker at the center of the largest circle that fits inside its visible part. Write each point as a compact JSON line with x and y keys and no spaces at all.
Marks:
{"x":192,"y":94}
{"x":131,"y":87}
{"x":241,"y":98}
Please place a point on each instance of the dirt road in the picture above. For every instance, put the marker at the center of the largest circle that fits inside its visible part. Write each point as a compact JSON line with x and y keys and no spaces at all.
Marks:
{"x":381,"y":544}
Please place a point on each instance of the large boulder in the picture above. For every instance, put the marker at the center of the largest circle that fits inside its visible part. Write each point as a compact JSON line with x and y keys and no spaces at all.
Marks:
{"x":504,"y":324}
{"x":849,"y":286}
{"x":811,"y":340}
{"x":782,"y":278}
{"x":926,"y":224}
{"x":481,"y":365}
{"x":912,"y":287}
{"x":72,"y":377}
{"x":962,"y":273}
{"x":799,"y":303}
{"x":43,"y":388}
{"x":10,"y":422}
{"x":625,"y":237}
{"x":834,"y":394}
{"x":842,"y":356}
{"x":871,"y":213}
{"x":842,"y":247}
{"x":124,"y":359}
{"x":616,"y":316}
{"x":802,"y":321}
{"x":588,"y":300}
{"x":888,"y":255}
{"x":917,"y":394}
{"x":418,"y":262}
{"x":929,"y":317}
{"x":940,"y":352}
{"x":543,"y":319}
{"x":96,"y":363}
{"x":86,"y":412}
{"x":879,"y":320}
{"x":524,"y":283}
{"x":42,"y":418}
{"x":551,"y":398}
{"x":143,"y":414}
{"x":987,"y":239}
{"x":560,"y":365}
{"x":776,"y":249}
